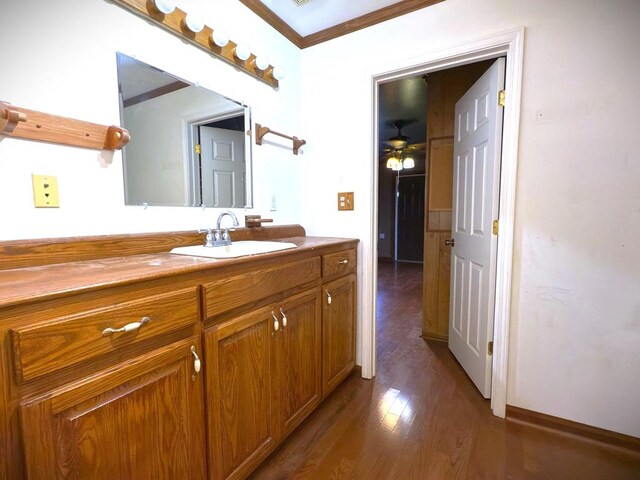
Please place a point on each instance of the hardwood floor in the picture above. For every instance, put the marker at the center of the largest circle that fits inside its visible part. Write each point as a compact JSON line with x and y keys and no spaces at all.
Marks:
{"x":422,"y":418}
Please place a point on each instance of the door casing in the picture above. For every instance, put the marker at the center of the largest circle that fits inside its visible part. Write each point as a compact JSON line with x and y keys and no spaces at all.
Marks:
{"x":511,"y":45}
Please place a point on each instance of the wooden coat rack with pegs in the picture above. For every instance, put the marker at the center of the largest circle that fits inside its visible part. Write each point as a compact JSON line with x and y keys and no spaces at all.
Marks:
{"x":18,"y":122}
{"x":262,"y":131}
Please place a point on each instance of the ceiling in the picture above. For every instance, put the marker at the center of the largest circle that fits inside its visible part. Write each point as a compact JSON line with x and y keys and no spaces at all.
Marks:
{"x":316,"y":15}
{"x":316,"y":21}
{"x":404,"y":99}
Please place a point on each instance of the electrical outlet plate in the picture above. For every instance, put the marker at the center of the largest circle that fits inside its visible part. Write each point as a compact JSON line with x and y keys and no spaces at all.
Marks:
{"x":345,"y":201}
{"x":45,"y":191}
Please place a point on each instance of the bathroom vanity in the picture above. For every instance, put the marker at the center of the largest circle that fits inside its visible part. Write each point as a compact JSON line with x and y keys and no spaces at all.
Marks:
{"x":120,"y":360}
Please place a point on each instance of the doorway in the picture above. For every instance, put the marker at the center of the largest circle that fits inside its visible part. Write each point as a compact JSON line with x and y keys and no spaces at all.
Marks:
{"x":510,"y":45}
{"x":424,"y":210}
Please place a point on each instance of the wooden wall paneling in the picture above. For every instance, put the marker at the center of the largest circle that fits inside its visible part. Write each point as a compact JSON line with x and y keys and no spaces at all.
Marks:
{"x":430,"y":279}
{"x":436,"y":286}
{"x":440,"y":174}
{"x":444,"y":276}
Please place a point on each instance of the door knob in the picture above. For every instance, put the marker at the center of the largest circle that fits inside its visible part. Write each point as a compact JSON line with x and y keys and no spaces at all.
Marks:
{"x":451,"y":242}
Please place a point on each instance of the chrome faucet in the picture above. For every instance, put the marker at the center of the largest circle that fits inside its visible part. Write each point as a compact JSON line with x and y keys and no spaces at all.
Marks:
{"x":220,"y":236}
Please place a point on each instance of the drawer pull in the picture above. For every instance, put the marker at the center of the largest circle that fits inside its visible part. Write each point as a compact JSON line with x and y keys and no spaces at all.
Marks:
{"x":129,"y":327}
{"x":284,"y":318}
{"x":197,"y":364}
{"x":276,"y":323}
{"x":343,"y":262}
{"x":328,"y":298}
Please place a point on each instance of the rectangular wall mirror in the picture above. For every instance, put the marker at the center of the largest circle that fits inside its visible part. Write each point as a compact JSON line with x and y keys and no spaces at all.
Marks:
{"x":188,"y":145}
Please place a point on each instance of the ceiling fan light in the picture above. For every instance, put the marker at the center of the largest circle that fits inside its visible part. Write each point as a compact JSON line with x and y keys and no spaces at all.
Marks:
{"x":397,"y":167}
{"x":408,"y":163}
{"x":392,"y":162}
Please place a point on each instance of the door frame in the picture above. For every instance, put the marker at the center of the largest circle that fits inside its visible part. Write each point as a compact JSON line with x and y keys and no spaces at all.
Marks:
{"x":509,"y":44}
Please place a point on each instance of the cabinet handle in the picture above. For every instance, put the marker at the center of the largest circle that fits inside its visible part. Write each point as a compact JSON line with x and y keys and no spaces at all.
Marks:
{"x":284,"y":318}
{"x":276,"y":323}
{"x":343,"y":262}
{"x":328,"y":298}
{"x":197,"y":364}
{"x":129,"y":327}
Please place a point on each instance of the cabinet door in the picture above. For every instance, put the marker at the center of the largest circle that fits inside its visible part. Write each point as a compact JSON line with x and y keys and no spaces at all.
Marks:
{"x":143,"y":419}
{"x":338,"y":331}
{"x":298,"y":362}
{"x":239,"y":385}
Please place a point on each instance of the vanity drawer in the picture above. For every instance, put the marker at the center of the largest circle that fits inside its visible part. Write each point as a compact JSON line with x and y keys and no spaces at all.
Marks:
{"x":67,"y":340}
{"x":235,"y":291}
{"x":340,"y":263}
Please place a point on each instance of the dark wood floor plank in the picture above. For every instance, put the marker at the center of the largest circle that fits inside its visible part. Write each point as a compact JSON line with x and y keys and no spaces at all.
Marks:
{"x":422,"y":418}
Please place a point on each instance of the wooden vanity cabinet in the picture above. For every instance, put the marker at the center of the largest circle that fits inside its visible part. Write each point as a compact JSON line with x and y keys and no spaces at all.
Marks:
{"x":338,"y":331}
{"x":263,"y":378}
{"x":139,"y":419}
{"x":104,"y":374}
{"x":298,"y":360}
{"x":239,"y":382}
{"x":338,"y":317}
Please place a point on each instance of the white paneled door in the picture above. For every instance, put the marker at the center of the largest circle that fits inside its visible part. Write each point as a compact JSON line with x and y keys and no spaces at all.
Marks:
{"x":223,"y":167}
{"x":476,"y":183}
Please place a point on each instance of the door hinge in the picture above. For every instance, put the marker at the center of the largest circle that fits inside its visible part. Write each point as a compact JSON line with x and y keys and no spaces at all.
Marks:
{"x":198,"y":149}
{"x":502,"y":98}
{"x":496,"y":225}
{"x":490,"y":348}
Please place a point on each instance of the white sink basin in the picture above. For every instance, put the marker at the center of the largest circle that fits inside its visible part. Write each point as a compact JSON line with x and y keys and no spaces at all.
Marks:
{"x":236,"y":249}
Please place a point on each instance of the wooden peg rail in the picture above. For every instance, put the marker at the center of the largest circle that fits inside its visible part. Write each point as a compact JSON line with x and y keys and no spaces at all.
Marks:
{"x":18,"y":122}
{"x":262,"y":131}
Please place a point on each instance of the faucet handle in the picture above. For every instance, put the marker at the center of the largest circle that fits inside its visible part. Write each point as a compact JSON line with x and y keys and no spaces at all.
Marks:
{"x":209,"y":238}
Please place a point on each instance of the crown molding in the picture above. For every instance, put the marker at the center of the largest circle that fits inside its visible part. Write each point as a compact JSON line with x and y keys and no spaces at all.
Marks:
{"x":387,"y":13}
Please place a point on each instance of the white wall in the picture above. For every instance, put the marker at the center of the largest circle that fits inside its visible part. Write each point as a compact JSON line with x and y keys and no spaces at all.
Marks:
{"x":575,"y":326}
{"x":576,"y":310}
{"x":59,"y":58}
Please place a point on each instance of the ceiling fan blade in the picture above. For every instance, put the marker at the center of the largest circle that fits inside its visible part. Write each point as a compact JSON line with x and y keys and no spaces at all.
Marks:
{"x":416,"y":147}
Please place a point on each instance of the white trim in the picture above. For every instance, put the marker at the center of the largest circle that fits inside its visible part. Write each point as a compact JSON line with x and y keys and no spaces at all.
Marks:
{"x":511,"y":45}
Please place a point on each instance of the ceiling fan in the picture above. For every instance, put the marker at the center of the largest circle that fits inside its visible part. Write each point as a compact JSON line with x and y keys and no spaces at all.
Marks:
{"x":398,"y":148}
